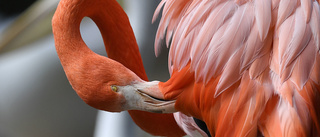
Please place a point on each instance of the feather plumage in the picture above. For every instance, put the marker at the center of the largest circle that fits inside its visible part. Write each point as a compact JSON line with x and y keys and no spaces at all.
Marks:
{"x":263,"y":17}
{"x":245,"y":65}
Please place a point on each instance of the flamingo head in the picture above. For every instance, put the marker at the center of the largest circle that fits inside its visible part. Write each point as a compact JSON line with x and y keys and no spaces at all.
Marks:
{"x":108,"y":85}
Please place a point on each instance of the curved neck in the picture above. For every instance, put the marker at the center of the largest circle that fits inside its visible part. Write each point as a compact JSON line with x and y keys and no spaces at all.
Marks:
{"x":120,"y":45}
{"x":114,"y":26}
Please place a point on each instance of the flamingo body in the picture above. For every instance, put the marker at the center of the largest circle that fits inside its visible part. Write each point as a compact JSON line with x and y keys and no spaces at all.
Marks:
{"x":244,"y":67}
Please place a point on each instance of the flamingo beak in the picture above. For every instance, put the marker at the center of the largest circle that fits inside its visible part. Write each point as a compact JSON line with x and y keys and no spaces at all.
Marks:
{"x":146,"y":96}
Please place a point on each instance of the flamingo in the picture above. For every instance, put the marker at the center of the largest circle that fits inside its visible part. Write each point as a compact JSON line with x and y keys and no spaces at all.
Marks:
{"x":106,"y":83}
{"x":243,"y":67}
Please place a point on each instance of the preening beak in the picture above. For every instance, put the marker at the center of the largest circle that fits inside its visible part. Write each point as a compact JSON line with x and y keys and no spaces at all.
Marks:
{"x":146,"y":96}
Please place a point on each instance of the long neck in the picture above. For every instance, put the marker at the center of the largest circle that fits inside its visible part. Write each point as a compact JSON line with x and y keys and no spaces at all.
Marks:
{"x":114,"y":26}
{"x":120,"y":45}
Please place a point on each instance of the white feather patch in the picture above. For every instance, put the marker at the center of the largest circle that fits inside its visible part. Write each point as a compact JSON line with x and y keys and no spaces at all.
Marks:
{"x":307,"y":9}
{"x":314,"y":24}
{"x":214,"y":21}
{"x":286,"y":8}
{"x":263,"y":17}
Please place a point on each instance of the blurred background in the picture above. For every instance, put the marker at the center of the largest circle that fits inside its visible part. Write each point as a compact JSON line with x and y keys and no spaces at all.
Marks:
{"x":36,"y":99}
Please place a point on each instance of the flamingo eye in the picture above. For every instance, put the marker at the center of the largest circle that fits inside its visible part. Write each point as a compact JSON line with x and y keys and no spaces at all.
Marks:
{"x":114,"y":88}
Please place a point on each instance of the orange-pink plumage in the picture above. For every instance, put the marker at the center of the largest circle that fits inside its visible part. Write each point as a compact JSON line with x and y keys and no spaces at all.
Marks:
{"x":249,"y":66}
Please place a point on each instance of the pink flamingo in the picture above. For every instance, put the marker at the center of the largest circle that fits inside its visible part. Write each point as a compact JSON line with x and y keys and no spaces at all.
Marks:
{"x":244,"y":67}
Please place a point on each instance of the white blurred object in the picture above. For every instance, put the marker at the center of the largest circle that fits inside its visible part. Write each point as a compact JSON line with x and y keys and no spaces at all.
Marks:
{"x":108,"y":124}
{"x":117,"y":125}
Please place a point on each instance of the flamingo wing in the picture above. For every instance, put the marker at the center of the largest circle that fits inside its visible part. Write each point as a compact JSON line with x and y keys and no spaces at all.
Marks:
{"x":244,"y":66}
